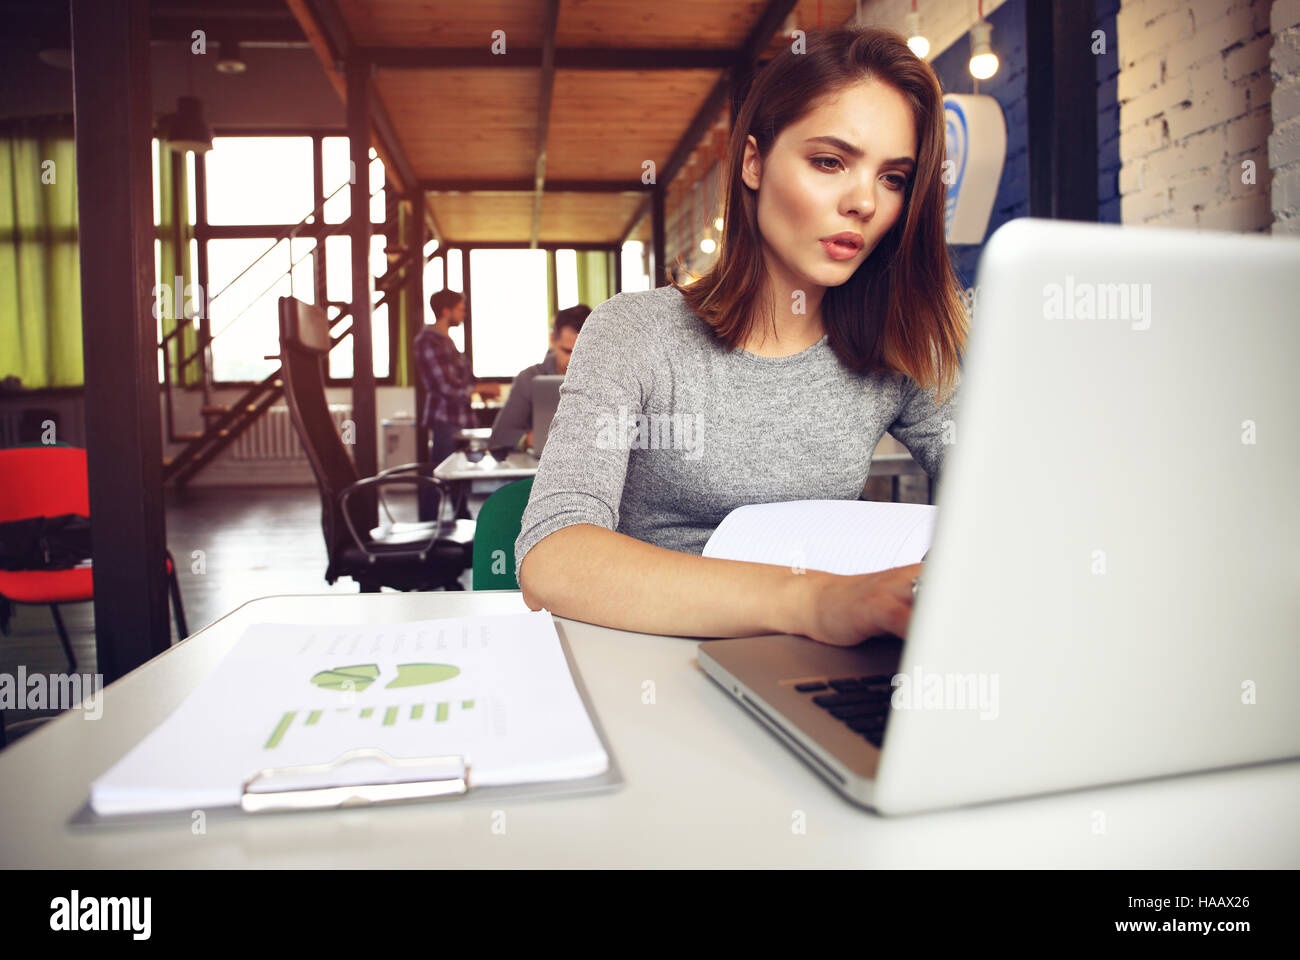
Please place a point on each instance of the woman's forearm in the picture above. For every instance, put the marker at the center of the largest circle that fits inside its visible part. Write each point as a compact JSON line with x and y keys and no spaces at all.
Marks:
{"x":585,"y":572}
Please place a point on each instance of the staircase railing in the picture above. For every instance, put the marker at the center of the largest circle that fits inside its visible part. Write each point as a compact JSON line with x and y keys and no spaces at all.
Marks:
{"x":231,"y":421}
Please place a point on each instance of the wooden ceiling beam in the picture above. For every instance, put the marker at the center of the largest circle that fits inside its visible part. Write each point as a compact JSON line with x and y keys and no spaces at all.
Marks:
{"x":740,"y":63}
{"x":326,"y":30}
{"x":544,"y":98}
{"x":565,"y":58}
{"x":528,"y":186}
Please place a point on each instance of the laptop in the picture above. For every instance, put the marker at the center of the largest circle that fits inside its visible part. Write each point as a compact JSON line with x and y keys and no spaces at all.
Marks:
{"x":546,"y":397}
{"x":1112,"y":592}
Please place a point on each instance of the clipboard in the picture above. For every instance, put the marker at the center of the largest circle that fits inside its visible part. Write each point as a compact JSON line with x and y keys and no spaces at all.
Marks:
{"x":455,"y":786}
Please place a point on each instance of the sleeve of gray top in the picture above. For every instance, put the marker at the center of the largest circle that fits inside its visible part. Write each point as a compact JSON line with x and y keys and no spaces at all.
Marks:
{"x":580,"y":479}
{"x":922,"y":425}
{"x":515,"y":418}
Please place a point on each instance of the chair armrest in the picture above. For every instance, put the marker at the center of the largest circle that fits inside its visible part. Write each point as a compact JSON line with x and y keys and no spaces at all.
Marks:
{"x":405,"y":467}
{"x":379,"y":480}
{"x":401,"y":469}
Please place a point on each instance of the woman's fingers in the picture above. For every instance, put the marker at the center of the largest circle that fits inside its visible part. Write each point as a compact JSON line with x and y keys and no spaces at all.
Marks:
{"x":896,"y":615}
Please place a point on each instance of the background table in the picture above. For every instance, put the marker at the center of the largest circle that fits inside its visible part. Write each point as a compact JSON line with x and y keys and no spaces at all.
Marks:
{"x":488,"y":474}
{"x":705,"y":785}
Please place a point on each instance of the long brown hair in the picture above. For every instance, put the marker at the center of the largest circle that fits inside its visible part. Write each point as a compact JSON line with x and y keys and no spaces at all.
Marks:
{"x":901,"y":310}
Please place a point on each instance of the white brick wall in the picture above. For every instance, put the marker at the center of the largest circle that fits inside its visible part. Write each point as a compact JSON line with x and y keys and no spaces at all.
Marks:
{"x":1196,"y":103}
{"x":1284,"y":141}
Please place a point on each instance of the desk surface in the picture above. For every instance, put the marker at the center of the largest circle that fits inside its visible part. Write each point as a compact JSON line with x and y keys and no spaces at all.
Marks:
{"x":705,"y":785}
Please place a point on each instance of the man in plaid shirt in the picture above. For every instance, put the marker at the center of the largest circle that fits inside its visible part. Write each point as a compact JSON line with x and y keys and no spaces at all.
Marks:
{"x":447,"y":382}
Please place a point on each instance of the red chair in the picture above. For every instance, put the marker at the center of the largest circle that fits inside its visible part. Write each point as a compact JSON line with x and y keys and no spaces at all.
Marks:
{"x":50,"y":481}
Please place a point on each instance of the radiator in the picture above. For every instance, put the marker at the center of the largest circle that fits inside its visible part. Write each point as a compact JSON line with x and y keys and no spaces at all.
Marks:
{"x":273,"y":437}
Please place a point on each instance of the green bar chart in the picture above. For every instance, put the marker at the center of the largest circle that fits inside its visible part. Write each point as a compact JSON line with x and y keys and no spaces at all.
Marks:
{"x":438,"y":712}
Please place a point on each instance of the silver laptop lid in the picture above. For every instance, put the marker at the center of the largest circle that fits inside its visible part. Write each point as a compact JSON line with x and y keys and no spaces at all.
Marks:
{"x":1115,"y":575}
{"x":546,"y":397}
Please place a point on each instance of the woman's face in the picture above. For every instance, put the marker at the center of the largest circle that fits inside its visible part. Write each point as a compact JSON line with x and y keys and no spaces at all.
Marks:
{"x":843,"y":168}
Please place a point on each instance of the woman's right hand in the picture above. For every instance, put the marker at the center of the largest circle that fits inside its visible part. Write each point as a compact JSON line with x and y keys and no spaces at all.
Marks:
{"x":844,"y":611}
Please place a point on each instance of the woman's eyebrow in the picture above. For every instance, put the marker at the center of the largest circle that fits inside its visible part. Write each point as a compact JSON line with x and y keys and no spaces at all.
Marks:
{"x":853,"y":151}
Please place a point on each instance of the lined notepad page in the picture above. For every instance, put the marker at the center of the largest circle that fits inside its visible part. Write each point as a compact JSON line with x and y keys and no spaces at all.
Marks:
{"x":494,"y":689}
{"x":837,"y":536}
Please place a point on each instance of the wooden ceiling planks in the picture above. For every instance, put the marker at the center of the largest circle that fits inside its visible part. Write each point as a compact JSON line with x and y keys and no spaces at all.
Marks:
{"x":485,"y":217}
{"x":585,"y":217}
{"x":480,"y":123}
{"x":461,"y":124}
{"x":833,"y":13}
{"x":605,"y":125}
{"x":668,"y":24}
{"x":494,"y":217}
{"x":443,"y":23}
{"x":664,"y":24}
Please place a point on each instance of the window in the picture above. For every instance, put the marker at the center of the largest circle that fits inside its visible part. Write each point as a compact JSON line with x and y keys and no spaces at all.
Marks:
{"x":338,"y":286}
{"x":455,"y":281}
{"x":243,"y":309}
{"x":257,"y":187}
{"x":510,"y":323}
{"x":635,"y":276}
{"x":259,"y":179}
{"x":566,"y":279}
{"x":336,"y":170}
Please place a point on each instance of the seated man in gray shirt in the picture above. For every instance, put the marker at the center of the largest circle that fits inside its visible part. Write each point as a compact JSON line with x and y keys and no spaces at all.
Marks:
{"x":514,"y":423}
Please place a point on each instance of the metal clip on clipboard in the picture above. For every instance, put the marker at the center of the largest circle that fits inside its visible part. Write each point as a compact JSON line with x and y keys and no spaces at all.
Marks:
{"x":357,"y":794}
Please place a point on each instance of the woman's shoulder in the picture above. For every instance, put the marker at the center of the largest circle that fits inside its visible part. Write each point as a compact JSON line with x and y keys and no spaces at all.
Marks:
{"x":661,"y":314}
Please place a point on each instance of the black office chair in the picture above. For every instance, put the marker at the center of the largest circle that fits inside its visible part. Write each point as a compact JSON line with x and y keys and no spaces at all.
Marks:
{"x":406,"y":556}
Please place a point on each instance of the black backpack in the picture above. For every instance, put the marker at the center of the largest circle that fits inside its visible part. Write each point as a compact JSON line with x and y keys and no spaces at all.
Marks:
{"x":45,"y":543}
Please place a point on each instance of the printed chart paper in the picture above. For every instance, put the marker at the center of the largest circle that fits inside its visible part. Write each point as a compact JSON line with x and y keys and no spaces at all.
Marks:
{"x":495,"y":689}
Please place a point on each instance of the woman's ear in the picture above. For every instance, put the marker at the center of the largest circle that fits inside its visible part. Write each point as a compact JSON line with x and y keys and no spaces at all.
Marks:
{"x":751,"y":166}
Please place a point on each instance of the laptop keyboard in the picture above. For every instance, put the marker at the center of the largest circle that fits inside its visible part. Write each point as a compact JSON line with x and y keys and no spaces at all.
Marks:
{"x":860,"y":703}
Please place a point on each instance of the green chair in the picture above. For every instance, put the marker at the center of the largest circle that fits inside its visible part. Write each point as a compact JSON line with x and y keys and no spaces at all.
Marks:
{"x":497,"y":528}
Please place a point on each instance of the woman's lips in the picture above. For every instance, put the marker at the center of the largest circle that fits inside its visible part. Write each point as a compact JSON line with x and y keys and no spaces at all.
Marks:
{"x":839,"y":251}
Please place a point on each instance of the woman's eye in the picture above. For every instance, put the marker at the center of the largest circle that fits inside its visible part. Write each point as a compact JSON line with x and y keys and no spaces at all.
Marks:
{"x":896,"y":181}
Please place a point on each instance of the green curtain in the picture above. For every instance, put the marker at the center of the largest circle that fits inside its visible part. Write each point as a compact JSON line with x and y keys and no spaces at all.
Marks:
{"x":400,"y":308}
{"x":40,"y":270}
{"x":595,"y":277}
{"x":174,"y":233}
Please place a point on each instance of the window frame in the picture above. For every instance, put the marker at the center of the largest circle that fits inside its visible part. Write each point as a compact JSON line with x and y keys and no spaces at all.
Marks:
{"x":204,"y":232}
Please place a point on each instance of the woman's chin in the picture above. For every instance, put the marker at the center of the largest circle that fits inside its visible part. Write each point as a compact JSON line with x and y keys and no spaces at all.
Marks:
{"x":835,"y":274}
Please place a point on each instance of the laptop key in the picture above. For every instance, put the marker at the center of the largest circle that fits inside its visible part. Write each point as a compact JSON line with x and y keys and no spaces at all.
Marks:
{"x":853,"y":711}
{"x":877,"y":678}
{"x":809,"y":687}
{"x":848,"y":698}
{"x":867,"y":724}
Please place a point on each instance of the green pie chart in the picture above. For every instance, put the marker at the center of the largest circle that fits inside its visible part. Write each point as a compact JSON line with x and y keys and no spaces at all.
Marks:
{"x":419,"y":674}
{"x":359,"y":676}
{"x":355,"y":678}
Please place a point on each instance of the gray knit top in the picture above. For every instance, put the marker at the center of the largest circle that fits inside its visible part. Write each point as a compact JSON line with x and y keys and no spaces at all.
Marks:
{"x":661,"y":432}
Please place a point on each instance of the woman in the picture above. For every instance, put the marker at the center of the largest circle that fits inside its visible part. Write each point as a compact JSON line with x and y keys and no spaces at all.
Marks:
{"x":771,"y":378}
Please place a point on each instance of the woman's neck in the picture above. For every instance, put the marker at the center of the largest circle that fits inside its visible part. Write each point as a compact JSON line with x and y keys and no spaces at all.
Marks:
{"x":798,"y":321}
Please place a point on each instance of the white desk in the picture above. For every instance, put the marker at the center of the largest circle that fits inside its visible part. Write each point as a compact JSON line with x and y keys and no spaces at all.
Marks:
{"x":516,"y":466}
{"x":705,"y":785}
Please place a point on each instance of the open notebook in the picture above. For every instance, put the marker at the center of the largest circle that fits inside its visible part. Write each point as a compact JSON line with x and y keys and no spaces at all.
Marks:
{"x":496,"y":690}
{"x":837,"y":536}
